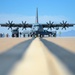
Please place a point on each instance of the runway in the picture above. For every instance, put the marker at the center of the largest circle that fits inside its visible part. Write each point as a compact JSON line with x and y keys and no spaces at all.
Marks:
{"x":37,"y":57}
{"x":11,"y":56}
{"x":65,"y":56}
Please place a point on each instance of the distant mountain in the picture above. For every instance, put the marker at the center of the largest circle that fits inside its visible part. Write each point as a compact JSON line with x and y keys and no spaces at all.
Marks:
{"x":68,"y":33}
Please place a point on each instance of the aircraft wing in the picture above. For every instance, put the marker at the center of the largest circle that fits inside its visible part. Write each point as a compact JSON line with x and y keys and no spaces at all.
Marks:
{"x":16,"y":25}
{"x":57,"y":25}
{"x":62,"y":24}
{"x":20,"y":25}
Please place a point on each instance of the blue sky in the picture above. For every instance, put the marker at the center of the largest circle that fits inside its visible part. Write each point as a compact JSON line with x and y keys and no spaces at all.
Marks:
{"x":54,"y":10}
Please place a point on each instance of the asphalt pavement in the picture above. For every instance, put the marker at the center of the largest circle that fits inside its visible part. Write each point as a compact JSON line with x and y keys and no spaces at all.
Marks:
{"x":36,"y":52}
{"x":65,"y":56}
{"x":13,"y":55}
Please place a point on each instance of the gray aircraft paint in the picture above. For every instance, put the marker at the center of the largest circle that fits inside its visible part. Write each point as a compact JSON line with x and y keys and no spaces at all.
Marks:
{"x":35,"y":27}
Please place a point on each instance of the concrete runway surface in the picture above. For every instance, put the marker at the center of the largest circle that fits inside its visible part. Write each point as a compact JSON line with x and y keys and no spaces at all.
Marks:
{"x":37,"y":57}
{"x":11,"y":56}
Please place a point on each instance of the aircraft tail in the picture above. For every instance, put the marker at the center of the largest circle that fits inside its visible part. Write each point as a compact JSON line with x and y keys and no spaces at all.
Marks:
{"x":37,"y":15}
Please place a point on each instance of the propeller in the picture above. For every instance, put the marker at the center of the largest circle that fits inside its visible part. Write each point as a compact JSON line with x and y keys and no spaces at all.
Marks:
{"x":57,"y":28}
{"x":64,"y":24}
{"x":9,"y":24}
{"x":24,"y":25}
{"x":50,"y":25}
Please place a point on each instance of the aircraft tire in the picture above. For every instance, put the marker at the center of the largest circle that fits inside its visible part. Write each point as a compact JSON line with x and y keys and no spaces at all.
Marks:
{"x":41,"y":36}
{"x":49,"y":35}
{"x":12,"y":35}
{"x":23,"y":35}
{"x":31,"y":35}
{"x":37,"y":35}
{"x":28,"y":35}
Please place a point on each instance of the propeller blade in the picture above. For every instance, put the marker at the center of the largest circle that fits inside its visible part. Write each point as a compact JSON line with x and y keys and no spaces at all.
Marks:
{"x":11,"y":22}
{"x":24,"y":25}
{"x":52,"y":22}
{"x":17,"y":27}
{"x":65,"y":22}
{"x":49,"y":22}
{"x":22,"y":22}
{"x":22,"y":28}
{"x":11,"y":28}
{"x":65,"y":28}
{"x":25,"y":22}
{"x":8,"y":21}
{"x":8,"y":28}
{"x":50,"y":28}
{"x":57,"y":28}
{"x":62,"y":28}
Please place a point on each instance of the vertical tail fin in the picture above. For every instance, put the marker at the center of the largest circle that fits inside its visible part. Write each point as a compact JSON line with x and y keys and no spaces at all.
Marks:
{"x":37,"y":15}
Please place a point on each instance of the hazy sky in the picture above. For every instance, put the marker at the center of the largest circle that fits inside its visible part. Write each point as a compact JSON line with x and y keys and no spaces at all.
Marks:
{"x":54,"y":10}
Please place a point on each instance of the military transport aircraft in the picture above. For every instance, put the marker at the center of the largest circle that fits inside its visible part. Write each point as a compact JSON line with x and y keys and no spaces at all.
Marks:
{"x":36,"y":28}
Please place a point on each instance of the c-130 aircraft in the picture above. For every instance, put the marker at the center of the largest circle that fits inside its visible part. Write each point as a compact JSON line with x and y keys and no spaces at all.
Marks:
{"x":37,"y":29}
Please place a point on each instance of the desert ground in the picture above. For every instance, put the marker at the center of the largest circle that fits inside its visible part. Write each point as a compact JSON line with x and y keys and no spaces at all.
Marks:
{"x":45,"y":56}
{"x":68,"y":43}
{"x":7,"y":43}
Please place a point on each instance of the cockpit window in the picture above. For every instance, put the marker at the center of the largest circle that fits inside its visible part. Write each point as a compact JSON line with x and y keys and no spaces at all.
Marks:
{"x":34,"y":25}
{"x":37,"y":26}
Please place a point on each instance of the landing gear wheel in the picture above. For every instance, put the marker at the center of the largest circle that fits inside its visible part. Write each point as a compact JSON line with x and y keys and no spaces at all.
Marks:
{"x":31,"y":35}
{"x":37,"y":35}
{"x":23,"y":35}
{"x":40,"y":36}
{"x":28,"y":35}
{"x":49,"y":35}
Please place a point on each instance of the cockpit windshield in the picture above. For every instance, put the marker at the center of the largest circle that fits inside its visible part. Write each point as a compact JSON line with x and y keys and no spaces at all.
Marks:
{"x":37,"y":26}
